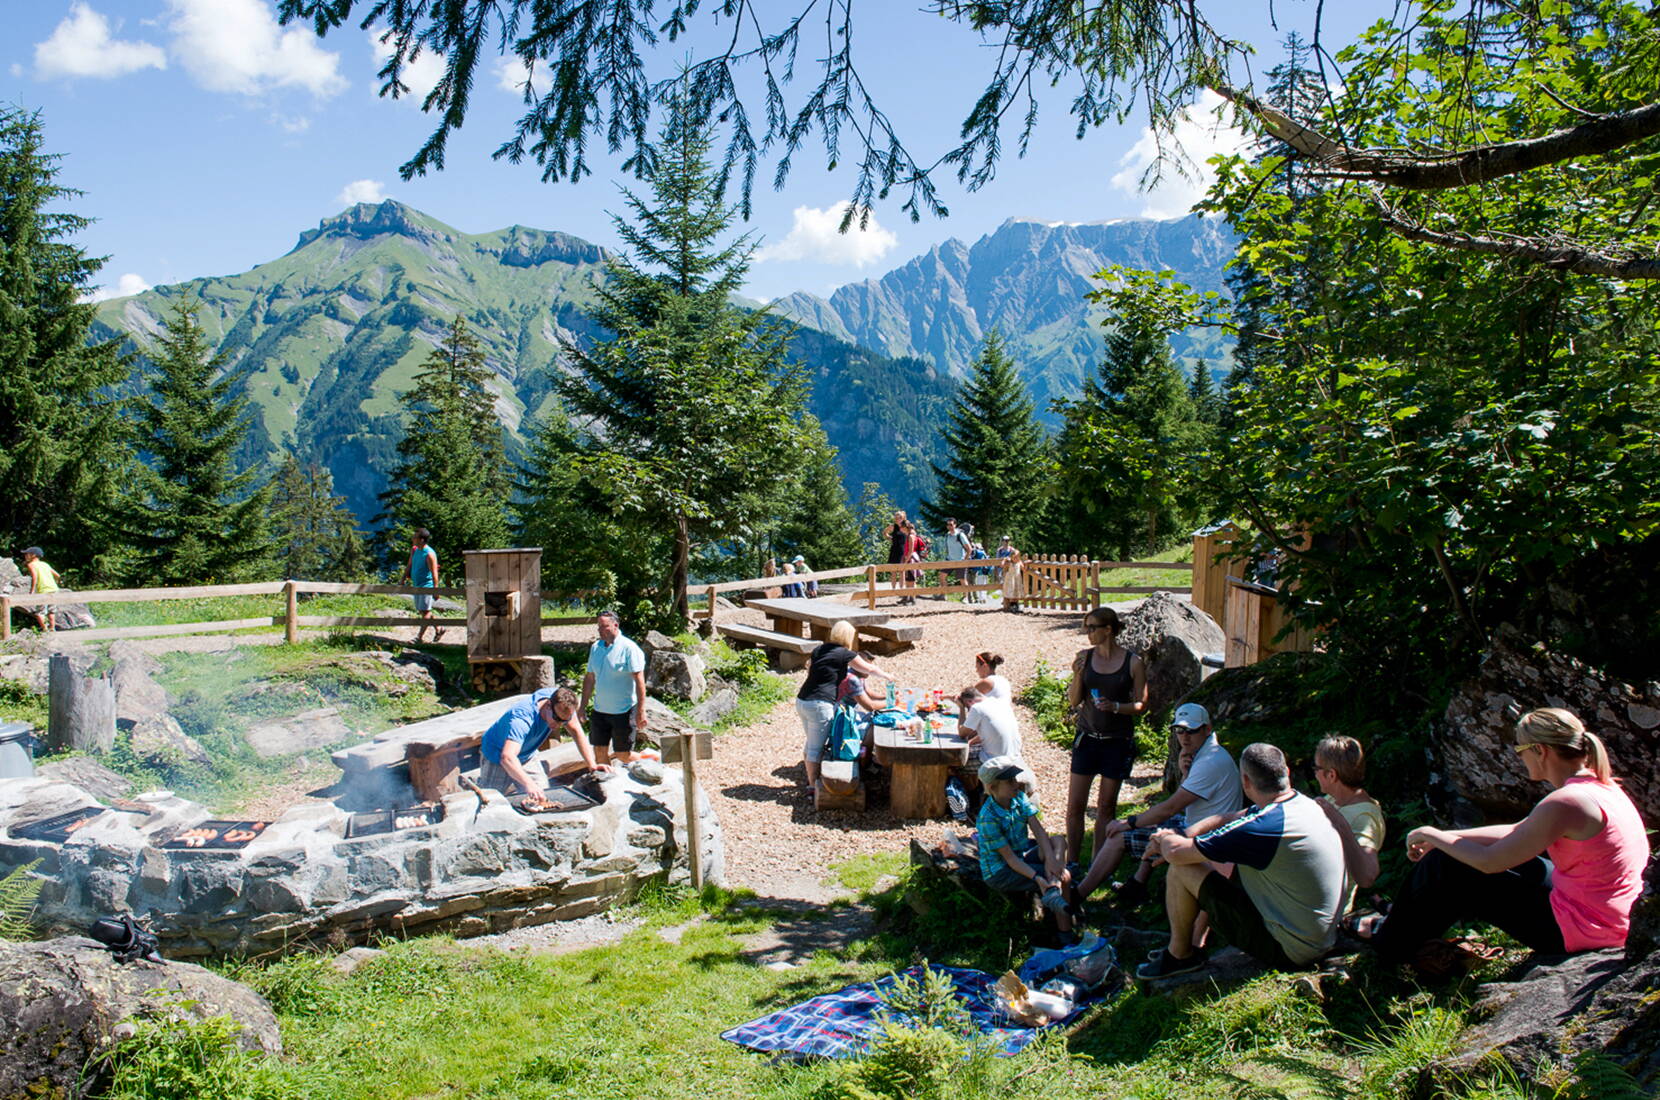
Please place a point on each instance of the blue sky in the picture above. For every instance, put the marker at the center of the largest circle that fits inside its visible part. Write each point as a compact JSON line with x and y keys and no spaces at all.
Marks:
{"x":207,"y":138}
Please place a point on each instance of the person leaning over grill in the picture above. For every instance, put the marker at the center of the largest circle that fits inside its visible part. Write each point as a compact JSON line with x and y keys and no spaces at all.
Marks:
{"x":515,"y":738}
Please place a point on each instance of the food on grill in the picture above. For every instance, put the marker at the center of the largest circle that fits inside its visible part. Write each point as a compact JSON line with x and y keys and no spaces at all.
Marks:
{"x":196,"y":838}
{"x":240,"y":836}
{"x":536,"y":802}
{"x":77,"y":825}
{"x":410,"y":821}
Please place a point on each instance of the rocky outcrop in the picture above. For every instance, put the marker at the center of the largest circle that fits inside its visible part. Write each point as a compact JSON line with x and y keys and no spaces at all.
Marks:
{"x":676,"y":675}
{"x":1172,"y":636}
{"x":482,"y":868}
{"x":66,"y":1001}
{"x":721,"y":702}
{"x":312,"y":729}
{"x":1474,"y":738}
{"x":141,"y":709}
{"x":65,"y":616}
{"x":87,"y":774}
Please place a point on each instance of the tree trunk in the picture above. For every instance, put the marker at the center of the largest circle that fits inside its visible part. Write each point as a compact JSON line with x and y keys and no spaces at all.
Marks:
{"x":682,"y":562}
{"x":82,"y":709}
{"x":535,"y":673}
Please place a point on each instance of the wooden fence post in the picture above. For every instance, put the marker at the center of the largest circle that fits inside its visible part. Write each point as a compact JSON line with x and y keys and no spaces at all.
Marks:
{"x":5,"y":617}
{"x":1094,"y":600}
{"x":291,"y":627}
{"x":870,"y":581}
{"x":712,"y":598}
{"x":694,"y":827}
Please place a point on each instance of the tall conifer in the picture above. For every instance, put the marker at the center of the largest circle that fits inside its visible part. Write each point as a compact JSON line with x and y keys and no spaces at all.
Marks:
{"x":191,"y":517}
{"x":315,"y":534}
{"x":817,"y":521}
{"x":60,"y":434}
{"x":451,"y":476}
{"x":999,"y":454}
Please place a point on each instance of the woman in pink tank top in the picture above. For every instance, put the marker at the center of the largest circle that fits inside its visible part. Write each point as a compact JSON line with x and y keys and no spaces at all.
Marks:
{"x":1578,"y":900}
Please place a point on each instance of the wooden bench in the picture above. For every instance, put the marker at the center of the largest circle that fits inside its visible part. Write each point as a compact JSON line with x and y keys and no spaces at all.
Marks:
{"x":891,"y":637}
{"x":790,"y":653}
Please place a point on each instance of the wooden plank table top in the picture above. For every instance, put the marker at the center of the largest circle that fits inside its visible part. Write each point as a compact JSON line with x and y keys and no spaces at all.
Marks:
{"x":894,"y":748}
{"x":819,"y":612}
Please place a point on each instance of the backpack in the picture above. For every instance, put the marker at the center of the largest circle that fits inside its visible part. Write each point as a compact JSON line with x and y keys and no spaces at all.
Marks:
{"x":845,"y":742}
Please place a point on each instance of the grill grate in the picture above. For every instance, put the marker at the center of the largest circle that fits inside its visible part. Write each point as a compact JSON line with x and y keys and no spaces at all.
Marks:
{"x":222,"y":835}
{"x":59,"y":828}
{"x":377,"y":822}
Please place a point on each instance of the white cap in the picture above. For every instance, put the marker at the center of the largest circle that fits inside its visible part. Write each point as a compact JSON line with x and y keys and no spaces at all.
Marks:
{"x":1190,"y":716}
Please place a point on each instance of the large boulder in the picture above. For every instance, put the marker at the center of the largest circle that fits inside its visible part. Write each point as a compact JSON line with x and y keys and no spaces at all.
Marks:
{"x":66,"y":616}
{"x":64,"y":1001}
{"x":411,"y":667}
{"x":1172,"y":636}
{"x":1474,"y":738}
{"x":311,"y":729}
{"x":161,"y":742}
{"x":677,"y":675}
{"x":720,"y":703}
{"x":87,"y":774}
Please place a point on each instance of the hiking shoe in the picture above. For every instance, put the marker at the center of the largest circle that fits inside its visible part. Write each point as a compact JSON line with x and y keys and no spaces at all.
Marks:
{"x":1168,"y":966}
{"x":1130,"y":893}
{"x":956,"y":799}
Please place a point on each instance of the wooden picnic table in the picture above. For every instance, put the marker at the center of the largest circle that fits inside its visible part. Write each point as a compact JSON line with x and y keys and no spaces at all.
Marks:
{"x":919,"y":771}
{"x":798,"y":616}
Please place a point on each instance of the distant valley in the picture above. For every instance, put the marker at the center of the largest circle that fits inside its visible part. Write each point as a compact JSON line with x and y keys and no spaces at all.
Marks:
{"x":328,"y":335}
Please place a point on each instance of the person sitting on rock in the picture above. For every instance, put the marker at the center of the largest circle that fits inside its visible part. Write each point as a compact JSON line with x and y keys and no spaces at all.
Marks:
{"x":514,"y":739}
{"x":1580,"y":900}
{"x":1340,"y":769}
{"x":43,"y":580}
{"x":1280,"y":904}
{"x":1008,"y":863}
{"x":1208,"y":792}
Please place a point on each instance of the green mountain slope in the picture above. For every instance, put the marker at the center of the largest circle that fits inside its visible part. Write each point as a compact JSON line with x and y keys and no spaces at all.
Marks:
{"x":329,"y":335}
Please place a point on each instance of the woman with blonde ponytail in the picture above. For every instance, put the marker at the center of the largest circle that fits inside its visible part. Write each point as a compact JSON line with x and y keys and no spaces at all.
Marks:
{"x":1561,"y":880}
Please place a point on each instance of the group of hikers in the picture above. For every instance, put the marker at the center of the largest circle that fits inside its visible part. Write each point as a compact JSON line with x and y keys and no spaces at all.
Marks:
{"x":1253,"y":861}
{"x":907,"y":544}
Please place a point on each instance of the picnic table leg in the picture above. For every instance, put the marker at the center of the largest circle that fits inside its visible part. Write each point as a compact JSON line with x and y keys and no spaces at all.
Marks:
{"x":818,"y":632}
{"x":918,"y":790}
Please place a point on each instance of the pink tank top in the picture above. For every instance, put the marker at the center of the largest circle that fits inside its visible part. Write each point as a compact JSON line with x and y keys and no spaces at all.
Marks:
{"x":1597,"y":881}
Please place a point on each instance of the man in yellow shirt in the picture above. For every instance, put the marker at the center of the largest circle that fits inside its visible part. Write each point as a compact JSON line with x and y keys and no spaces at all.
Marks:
{"x":42,"y":579}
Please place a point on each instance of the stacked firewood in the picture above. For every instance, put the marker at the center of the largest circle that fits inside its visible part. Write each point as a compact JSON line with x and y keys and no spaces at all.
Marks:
{"x":495,"y":677}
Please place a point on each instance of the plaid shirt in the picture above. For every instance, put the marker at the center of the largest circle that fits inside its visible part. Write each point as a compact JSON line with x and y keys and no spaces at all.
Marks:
{"x":998,"y":827}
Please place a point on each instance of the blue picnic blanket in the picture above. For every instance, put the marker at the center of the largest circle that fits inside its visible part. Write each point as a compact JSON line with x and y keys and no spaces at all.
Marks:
{"x":842,"y":1024}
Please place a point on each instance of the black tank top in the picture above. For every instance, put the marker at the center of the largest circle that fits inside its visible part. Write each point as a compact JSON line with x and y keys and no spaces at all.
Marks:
{"x":1114,"y":687}
{"x":898,"y":546}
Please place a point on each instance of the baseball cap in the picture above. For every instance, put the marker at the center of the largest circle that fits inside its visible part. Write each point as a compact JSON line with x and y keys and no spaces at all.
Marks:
{"x":35,"y":550}
{"x":1008,"y":538}
{"x":799,"y":558}
{"x":1190,"y":716}
{"x":1002,"y":767}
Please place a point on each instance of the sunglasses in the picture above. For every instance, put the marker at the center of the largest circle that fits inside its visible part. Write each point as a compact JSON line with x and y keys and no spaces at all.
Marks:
{"x":1523,"y":750}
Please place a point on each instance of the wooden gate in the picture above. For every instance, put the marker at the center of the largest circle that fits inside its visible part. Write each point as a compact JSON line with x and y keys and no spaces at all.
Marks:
{"x":1062,"y":582}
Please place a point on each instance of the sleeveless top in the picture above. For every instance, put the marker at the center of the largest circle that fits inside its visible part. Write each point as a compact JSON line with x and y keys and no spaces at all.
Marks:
{"x":899,"y":544}
{"x":1114,"y":688}
{"x":1597,"y":881}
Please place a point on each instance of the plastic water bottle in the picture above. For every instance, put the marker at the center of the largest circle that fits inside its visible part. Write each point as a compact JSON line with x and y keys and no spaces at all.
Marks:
{"x":892,"y":691}
{"x":910,"y":701}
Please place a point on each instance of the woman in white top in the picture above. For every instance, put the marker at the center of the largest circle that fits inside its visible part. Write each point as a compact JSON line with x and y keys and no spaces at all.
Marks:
{"x":988,"y":683}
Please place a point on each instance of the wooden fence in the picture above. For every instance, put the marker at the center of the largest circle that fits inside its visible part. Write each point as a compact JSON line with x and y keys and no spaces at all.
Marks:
{"x":290,"y":620}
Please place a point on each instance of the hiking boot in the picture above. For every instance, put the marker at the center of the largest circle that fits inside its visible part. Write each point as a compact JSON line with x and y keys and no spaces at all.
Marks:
{"x":1168,"y":966}
{"x":1130,"y":893}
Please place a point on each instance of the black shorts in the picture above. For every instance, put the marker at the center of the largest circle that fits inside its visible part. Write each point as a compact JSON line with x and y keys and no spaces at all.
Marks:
{"x":1107,"y":757}
{"x":612,"y":732}
{"x":1235,"y":917}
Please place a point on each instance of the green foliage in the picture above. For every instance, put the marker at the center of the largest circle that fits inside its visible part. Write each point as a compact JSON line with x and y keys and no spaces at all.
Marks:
{"x":62,"y":445}
{"x":316,"y":535}
{"x":18,"y":703}
{"x":1394,"y":1059}
{"x":1046,"y":695}
{"x":690,"y":407}
{"x":920,"y":1050}
{"x":190,"y":517}
{"x":999,"y":456}
{"x":451,"y":472}
{"x":18,"y":891}
{"x":874,"y":511}
{"x":173,"y":1059}
{"x":816,"y":521}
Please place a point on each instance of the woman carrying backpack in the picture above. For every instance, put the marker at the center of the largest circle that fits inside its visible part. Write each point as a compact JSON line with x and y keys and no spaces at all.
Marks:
{"x":815,"y":703}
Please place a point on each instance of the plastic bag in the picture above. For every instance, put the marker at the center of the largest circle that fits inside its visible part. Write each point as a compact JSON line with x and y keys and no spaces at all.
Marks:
{"x":1091,"y":961}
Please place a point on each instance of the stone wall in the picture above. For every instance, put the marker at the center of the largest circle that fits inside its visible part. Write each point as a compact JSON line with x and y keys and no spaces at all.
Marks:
{"x":481,"y":869}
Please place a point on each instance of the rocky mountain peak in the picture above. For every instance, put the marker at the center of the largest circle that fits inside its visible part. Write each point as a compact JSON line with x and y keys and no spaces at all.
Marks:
{"x":368,"y":220}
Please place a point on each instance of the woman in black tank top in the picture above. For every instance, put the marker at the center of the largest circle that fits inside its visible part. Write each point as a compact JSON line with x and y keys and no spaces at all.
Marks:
{"x":1108,"y":690}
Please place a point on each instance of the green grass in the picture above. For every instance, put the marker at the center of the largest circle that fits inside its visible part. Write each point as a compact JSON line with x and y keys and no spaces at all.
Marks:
{"x":218,"y":608}
{"x":17,"y":704}
{"x":1162,"y":578}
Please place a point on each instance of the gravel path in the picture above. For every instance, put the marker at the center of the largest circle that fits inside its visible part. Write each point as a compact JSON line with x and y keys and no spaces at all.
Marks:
{"x":780,"y":847}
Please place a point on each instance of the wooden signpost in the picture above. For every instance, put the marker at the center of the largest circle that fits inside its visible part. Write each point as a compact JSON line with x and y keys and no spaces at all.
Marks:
{"x":674,"y":751}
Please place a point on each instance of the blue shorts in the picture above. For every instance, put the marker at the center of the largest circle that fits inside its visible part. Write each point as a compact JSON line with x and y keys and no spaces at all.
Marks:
{"x":425,"y":603}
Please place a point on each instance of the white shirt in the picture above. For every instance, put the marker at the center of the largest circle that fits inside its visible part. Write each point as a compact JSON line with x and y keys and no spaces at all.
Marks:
{"x":992,"y":720}
{"x":999,"y":688}
{"x":1214,"y":778}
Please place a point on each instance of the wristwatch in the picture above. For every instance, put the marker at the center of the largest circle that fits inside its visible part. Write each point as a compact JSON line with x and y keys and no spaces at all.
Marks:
{"x":1129,"y":822}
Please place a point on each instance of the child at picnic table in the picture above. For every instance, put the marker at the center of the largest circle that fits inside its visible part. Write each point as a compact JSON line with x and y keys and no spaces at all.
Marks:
{"x":1008,"y":863}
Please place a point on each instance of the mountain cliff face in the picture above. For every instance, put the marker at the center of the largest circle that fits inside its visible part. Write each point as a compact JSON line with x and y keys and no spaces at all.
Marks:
{"x":329,"y":335}
{"x":1027,"y":279}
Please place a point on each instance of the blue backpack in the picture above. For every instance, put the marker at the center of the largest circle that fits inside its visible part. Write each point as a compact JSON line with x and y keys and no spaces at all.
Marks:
{"x":845,"y":742}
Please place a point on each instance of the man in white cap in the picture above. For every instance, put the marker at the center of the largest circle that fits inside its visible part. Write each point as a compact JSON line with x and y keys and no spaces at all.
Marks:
{"x":1209,"y":791}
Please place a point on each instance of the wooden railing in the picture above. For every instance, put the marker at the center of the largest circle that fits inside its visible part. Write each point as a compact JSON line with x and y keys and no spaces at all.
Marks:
{"x":290,"y":620}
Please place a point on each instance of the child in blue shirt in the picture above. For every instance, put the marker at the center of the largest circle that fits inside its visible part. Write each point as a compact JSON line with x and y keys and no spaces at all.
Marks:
{"x":1007,"y":862}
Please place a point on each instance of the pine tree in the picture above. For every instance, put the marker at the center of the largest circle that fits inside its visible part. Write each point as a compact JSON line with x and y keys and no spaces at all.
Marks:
{"x":817,"y":522}
{"x":451,"y":476}
{"x":1203,"y":394}
{"x":62,"y":441}
{"x":315,"y":534}
{"x":191,"y":517}
{"x":998,"y":454}
{"x":693,"y":406}
{"x":873,"y":513}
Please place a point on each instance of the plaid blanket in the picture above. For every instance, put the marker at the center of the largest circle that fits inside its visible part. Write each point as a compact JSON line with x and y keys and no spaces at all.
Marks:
{"x":842,"y":1024}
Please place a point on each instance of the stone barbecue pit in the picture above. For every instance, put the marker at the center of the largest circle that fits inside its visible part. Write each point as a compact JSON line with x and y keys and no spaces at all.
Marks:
{"x":377,"y":858}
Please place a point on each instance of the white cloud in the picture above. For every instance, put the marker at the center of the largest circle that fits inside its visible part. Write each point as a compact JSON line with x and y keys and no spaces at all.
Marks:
{"x":237,"y":46}
{"x":125,"y":286}
{"x":421,"y":75}
{"x":512,"y":74}
{"x":361,"y":191}
{"x":82,"y":45}
{"x":815,"y":237}
{"x":1185,"y":177}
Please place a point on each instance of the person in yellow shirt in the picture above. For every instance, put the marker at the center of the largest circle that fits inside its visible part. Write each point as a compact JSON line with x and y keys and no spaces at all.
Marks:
{"x":42,"y":579}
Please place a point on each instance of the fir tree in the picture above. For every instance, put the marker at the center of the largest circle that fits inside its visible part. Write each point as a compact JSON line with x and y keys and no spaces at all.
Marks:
{"x":998,"y":453}
{"x":192,"y":517}
{"x":62,"y":442}
{"x":451,"y":476}
{"x":315,"y":534}
{"x":692,"y":405}
{"x":817,"y":522}
{"x":1203,"y":394}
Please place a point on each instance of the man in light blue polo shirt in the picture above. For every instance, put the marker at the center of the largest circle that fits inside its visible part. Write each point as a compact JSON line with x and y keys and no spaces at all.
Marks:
{"x":616,"y":685}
